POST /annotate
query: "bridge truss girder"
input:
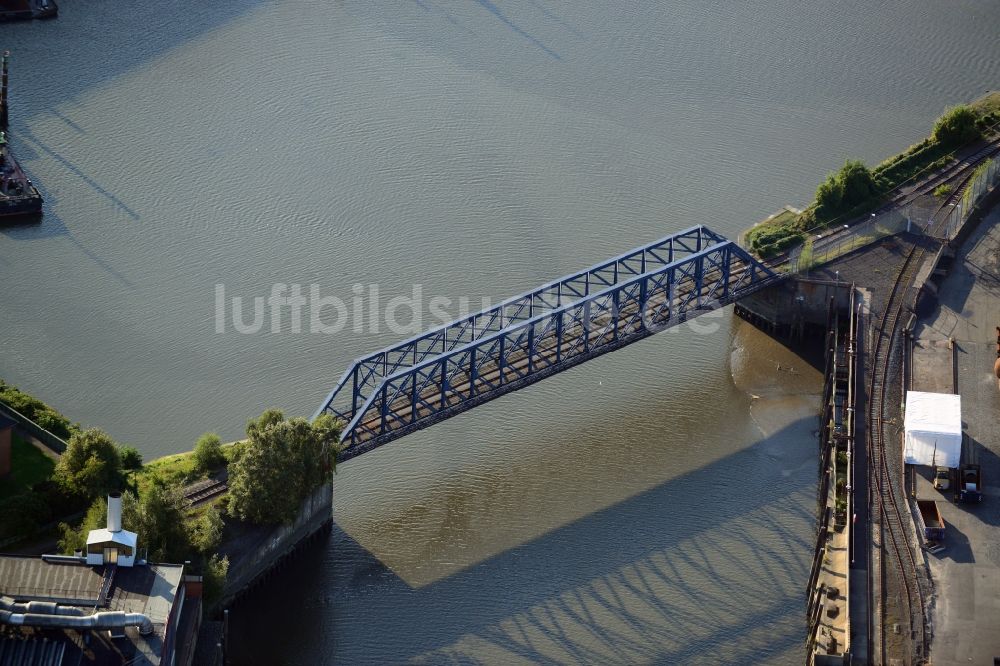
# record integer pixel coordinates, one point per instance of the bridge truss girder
(499, 359)
(366, 374)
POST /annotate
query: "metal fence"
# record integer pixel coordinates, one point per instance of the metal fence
(830, 244)
(984, 179)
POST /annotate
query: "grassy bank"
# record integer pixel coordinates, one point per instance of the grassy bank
(856, 190)
(176, 470)
(42, 414)
(29, 465)
(277, 467)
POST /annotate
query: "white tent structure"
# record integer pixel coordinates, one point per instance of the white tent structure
(933, 426)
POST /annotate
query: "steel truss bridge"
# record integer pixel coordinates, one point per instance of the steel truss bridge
(453, 368)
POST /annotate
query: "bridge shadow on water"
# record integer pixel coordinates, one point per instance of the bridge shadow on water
(691, 570)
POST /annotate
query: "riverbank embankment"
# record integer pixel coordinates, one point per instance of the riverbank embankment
(854, 192)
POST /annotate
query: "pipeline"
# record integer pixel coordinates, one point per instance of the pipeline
(41, 607)
(50, 615)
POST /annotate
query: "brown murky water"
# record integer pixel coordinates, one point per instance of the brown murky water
(655, 505)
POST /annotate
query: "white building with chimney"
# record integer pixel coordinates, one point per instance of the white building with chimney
(112, 545)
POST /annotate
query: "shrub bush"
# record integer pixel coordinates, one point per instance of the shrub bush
(216, 570)
(208, 452)
(842, 191)
(941, 191)
(91, 465)
(830, 193)
(131, 458)
(206, 531)
(23, 514)
(957, 126)
(37, 411)
(281, 464)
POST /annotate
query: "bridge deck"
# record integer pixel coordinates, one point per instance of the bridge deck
(593, 318)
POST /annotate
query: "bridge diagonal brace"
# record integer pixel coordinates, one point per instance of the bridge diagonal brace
(551, 329)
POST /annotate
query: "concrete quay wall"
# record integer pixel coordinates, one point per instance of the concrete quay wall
(253, 558)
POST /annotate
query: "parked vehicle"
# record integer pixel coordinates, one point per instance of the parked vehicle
(942, 478)
(970, 484)
(930, 520)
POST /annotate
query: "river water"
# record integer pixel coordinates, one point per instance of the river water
(654, 505)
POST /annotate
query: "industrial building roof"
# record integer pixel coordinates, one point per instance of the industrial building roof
(148, 589)
(32, 578)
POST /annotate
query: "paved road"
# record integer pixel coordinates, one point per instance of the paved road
(966, 615)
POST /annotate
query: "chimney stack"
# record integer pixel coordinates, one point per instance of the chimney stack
(115, 512)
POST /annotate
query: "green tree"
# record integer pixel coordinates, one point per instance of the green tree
(328, 429)
(206, 531)
(75, 538)
(131, 458)
(214, 580)
(957, 126)
(91, 465)
(23, 514)
(857, 182)
(208, 452)
(282, 462)
(850, 186)
(70, 540)
(235, 451)
(268, 418)
(830, 193)
(159, 521)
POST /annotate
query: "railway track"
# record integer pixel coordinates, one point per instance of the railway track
(204, 490)
(401, 406)
(946, 175)
(547, 351)
(908, 193)
(894, 539)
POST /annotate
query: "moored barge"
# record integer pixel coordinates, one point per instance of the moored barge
(19, 199)
(25, 10)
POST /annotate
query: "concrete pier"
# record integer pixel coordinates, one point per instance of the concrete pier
(837, 631)
(795, 305)
(255, 552)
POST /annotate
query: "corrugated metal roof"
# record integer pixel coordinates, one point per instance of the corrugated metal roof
(31, 577)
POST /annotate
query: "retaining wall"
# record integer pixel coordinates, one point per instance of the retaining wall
(254, 554)
(26, 425)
